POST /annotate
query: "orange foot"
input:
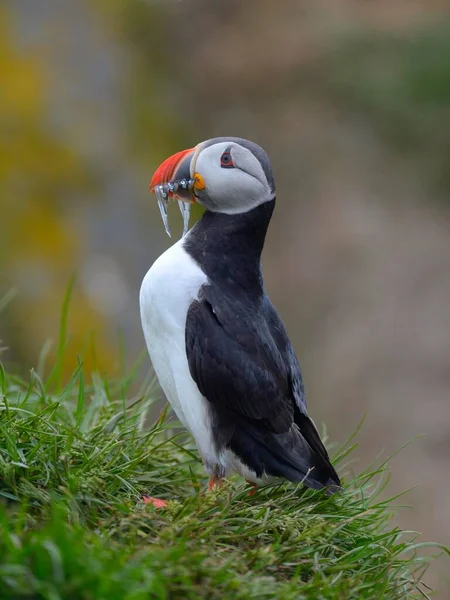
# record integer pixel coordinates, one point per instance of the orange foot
(156, 502)
(254, 486)
(214, 481)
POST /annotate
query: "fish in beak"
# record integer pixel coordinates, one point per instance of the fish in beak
(172, 181)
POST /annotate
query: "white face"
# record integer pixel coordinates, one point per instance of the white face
(234, 180)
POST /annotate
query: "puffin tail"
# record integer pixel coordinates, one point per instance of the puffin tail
(328, 476)
(297, 455)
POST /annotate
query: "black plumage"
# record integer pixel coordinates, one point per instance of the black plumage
(241, 358)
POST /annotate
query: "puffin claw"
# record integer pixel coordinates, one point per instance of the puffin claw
(156, 502)
(214, 481)
(254, 486)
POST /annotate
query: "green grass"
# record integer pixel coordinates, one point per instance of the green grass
(75, 463)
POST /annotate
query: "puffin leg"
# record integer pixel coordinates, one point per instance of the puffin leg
(214, 481)
(254, 486)
(156, 502)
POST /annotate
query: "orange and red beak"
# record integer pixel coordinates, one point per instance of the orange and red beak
(175, 167)
(173, 180)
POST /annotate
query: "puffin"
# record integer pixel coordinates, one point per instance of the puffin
(218, 346)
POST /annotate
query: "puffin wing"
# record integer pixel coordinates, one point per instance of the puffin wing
(245, 366)
(235, 362)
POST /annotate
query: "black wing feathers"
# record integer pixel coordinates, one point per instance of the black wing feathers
(233, 369)
(243, 362)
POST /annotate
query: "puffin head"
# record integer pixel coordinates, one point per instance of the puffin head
(226, 174)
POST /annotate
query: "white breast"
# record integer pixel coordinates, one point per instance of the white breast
(167, 291)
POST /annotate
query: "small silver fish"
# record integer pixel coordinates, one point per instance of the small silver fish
(164, 192)
(185, 209)
(163, 202)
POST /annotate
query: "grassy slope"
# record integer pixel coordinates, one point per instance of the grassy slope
(74, 466)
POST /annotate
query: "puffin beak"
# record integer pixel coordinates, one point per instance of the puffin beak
(173, 169)
(172, 180)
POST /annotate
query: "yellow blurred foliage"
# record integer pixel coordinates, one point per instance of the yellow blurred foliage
(39, 246)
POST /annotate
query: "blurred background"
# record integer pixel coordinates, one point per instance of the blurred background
(351, 100)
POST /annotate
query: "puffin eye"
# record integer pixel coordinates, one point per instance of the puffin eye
(226, 162)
